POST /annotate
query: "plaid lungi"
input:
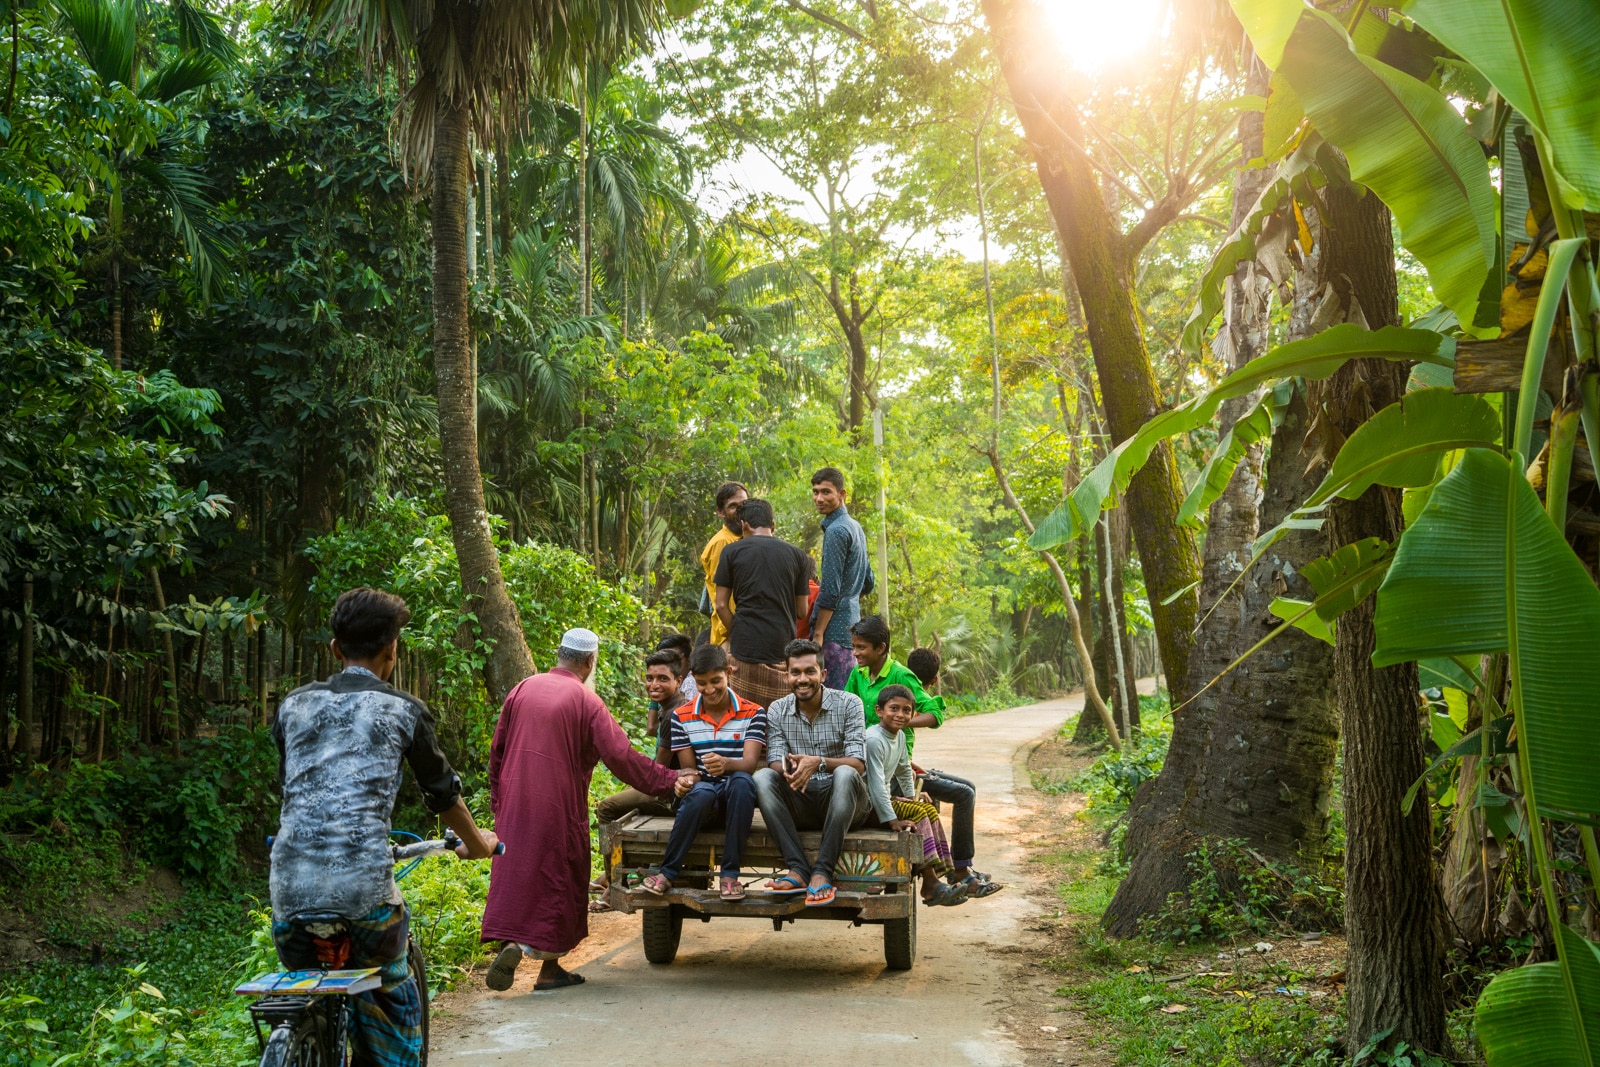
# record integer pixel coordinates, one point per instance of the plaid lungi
(385, 1023)
(935, 849)
(760, 682)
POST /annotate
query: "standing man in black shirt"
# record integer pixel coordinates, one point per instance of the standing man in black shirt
(766, 577)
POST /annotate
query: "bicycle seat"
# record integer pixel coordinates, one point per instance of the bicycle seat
(322, 925)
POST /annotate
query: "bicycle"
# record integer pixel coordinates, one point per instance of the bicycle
(302, 1018)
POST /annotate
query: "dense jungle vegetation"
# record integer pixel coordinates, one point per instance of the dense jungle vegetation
(1255, 341)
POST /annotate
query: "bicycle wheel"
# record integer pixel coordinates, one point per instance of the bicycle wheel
(301, 1043)
(419, 971)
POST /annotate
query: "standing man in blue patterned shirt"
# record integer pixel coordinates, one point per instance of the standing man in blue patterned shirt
(844, 575)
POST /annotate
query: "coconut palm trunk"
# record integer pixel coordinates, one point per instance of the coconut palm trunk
(484, 586)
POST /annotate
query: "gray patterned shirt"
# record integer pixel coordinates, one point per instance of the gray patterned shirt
(340, 745)
(840, 730)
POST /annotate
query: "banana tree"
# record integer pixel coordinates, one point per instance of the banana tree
(1484, 568)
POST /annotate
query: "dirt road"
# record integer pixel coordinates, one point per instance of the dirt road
(739, 992)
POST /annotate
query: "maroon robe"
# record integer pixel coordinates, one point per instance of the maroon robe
(551, 733)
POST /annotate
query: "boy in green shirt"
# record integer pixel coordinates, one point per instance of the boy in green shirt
(875, 669)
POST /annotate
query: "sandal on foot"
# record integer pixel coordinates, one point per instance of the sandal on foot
(785, 885)
(570, 978)
(656, 885)
(731, 889)
(946, 896)
(503, 971)
(820, 895)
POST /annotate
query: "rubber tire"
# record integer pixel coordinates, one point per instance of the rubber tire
(663, 928)
(419, 971)
(900, 939)
(298, 1045)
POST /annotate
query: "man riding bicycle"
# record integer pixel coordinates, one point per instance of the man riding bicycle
(340, 746)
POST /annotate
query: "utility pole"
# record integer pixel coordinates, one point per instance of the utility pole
(883, 519)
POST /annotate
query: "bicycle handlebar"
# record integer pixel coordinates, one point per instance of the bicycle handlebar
(419, 850)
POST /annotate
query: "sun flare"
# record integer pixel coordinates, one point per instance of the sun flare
(1096, 35)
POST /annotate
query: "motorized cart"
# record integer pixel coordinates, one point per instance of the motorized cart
(875, 883)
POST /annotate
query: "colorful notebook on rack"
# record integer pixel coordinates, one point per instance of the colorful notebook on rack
(321, 983)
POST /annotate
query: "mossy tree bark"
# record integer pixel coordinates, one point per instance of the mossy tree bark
(1102, 259)
(1253, 757)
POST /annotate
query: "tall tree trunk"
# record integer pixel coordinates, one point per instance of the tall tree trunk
(1101, 268)
(171, 659)
(23, 745)
(1252, 757)
(482, 583)
(502, 177)
(116, 312)
(488, 215)
(1393, 914)
(586, 303)
(848, 312)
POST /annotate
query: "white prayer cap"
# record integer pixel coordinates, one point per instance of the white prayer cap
(580, 640)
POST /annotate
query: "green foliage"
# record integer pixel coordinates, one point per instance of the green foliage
(1233, 890)
(1212, 1031)
(190, 811)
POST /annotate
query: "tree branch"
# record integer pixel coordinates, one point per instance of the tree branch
(828, 20)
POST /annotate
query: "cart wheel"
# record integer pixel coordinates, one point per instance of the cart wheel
(662, 929)
(900, 939)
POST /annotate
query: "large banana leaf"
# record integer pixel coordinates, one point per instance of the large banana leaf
(1255, 425)
(1269, 24)
(1544, 58)
(1447, 593)
(1525, 1016)
(1406, 143)
(1403, 444)
(1314, 357)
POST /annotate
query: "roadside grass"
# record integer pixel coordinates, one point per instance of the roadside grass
(1176, 1001)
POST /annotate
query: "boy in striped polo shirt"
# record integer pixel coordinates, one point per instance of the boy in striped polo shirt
(723, 737)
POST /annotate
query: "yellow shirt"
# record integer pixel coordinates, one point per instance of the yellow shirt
(709, 557)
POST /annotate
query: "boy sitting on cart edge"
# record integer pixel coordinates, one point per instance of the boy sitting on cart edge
(960, 794)
(340, 746)
(816, 756)
(723, 736)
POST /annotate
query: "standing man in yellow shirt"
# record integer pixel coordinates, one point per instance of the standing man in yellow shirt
(729, 496)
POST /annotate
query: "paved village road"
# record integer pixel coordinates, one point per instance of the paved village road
(816, 992)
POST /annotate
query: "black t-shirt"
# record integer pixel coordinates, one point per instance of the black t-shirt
(766, 575)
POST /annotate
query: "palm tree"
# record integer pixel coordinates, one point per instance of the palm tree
(107, 34)
(474, 63)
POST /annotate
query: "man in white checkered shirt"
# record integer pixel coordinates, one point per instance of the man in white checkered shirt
(816, 756)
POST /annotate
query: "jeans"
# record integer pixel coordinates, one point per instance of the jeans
(834, 806)
(962, 795)
(731, 798)
(838, 661)
(385, 1023)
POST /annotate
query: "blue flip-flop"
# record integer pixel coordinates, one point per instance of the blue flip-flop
(796, 886)
(820, 896)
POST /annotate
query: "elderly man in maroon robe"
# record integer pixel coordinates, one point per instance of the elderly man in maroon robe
(551, 733)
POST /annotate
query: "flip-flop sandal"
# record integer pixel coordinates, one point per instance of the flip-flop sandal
(821, 895)
(656, 885)
(946, 896)
(731, 889)
(979, 890)
(503, 971)
(777, 887)
(597, 906)
(570, 978)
